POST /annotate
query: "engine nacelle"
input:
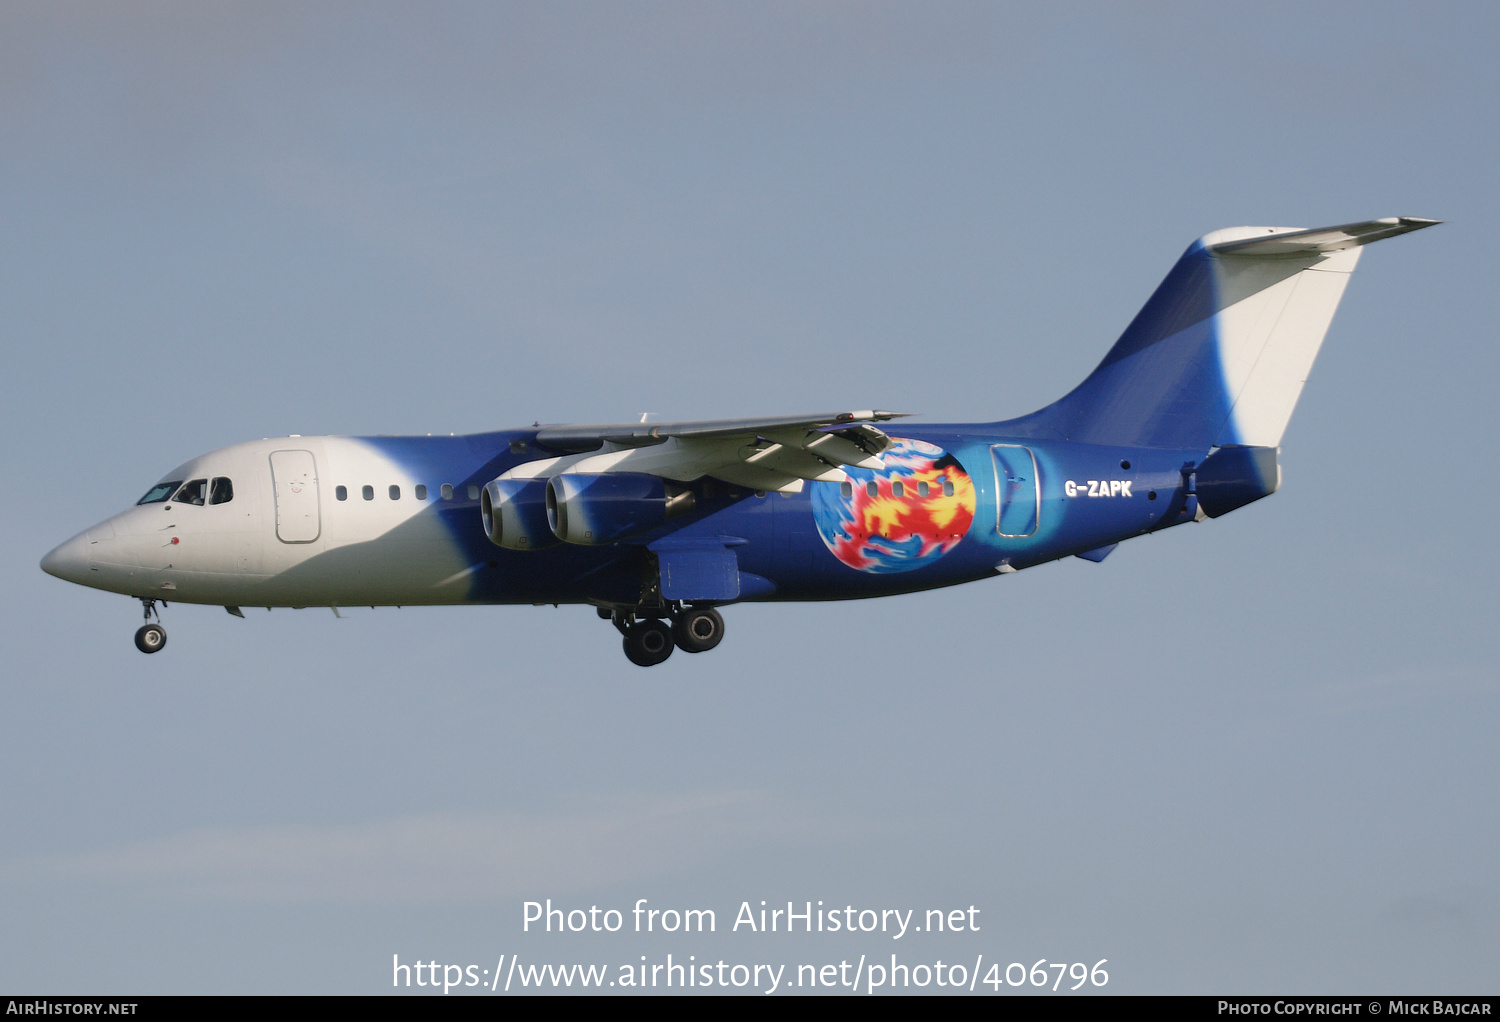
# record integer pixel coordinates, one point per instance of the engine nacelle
(593, 509)
(515, 513)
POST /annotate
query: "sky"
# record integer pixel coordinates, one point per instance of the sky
(1253, 755)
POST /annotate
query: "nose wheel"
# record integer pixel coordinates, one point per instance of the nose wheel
(151, 636)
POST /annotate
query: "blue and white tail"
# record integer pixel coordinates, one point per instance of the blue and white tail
(1219, 354)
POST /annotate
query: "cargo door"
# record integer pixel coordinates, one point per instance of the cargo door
(1019, 498)
(294, 475)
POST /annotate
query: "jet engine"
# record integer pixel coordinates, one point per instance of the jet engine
(515, 513)
(594, 509)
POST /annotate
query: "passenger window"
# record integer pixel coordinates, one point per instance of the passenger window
(341, 492)
(194, 491)
(922, 490)
(421, 492)
(220, 491)
(367, 492)
(846, 489)
(395, 492)
(947, 487)
(872, 488)
(473, 493)
(160, 492)
(447, 491)
(898, 489)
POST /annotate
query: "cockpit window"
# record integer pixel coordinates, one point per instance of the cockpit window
(194, 491)
(160, 492)
(220, 490)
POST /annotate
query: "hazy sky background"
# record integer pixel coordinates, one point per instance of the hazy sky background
(1251, 755)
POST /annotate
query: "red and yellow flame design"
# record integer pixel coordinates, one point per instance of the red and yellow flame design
(891, 531)
(940, 521)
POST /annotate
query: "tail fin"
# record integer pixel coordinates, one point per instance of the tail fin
(1218, 355)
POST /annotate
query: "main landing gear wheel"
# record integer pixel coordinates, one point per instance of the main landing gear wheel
(150, 638)
(648, 643)
(697, 629)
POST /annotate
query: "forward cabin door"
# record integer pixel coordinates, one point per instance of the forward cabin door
(295, 477)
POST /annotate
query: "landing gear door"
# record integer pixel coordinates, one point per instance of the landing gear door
(295, 477)
(1018, 497)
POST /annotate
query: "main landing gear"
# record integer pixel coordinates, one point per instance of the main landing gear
(650, 640)
(150, 637)
(697, 629)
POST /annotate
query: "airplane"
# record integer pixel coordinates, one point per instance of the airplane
(657, 525)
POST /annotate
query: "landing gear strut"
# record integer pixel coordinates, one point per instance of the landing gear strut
(650, 640)
(150, 637)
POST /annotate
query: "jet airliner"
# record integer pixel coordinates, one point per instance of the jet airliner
(657, 525)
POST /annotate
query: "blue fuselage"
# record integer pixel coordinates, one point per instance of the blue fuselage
(348, 521)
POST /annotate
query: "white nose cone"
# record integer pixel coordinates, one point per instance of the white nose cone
(69, 561)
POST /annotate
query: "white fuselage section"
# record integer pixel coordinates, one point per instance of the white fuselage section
(313, 521)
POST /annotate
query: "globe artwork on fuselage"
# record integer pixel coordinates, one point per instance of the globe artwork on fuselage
(900, 517)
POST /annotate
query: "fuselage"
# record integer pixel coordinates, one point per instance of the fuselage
(349, 521)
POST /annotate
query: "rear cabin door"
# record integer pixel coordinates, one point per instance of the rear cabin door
(295, 477)
(1019, 501)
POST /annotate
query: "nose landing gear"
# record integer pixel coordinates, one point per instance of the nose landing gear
(150, 637)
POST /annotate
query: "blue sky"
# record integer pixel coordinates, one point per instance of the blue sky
(1250, 755)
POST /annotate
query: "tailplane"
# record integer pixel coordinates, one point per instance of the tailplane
(1219, 354)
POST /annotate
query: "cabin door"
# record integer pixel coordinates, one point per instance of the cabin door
(295, 477)
(1019, 498)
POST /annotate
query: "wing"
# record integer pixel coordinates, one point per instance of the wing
(758, 454)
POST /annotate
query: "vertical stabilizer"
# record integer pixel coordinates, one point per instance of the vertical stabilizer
(1219, 354)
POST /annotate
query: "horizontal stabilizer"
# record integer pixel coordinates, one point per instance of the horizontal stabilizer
(1323, 239)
